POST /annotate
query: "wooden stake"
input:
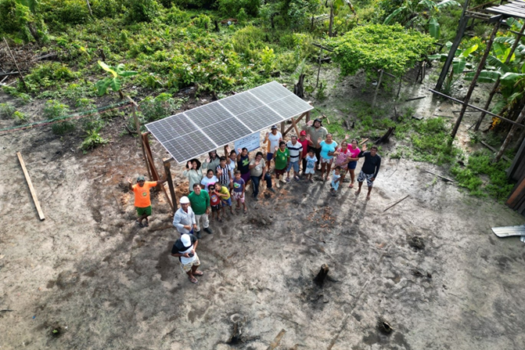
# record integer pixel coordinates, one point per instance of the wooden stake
(31, 188)
(481, 65)
(377, 88)
(16, 65)
(444, 178)
(167, 170)
(294, 124)
(137, 126)
(510, 135)
(277, 340)
(492, 149)
(396, 203)
(517, 191)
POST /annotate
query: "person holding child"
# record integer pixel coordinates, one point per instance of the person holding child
(215, 203)
(224, 195)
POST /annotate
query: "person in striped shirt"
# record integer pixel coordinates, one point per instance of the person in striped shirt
(296, 155)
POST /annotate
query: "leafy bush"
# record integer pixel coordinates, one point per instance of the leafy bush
(248, 41)
(6, 110)
(431, 141)
(142, 10)
(159, 107)
(19, 116)
(377, 46)
(92, 140)
(17, 19)
(65, 11)
(231, 8)
(54, 109)
(48, 75)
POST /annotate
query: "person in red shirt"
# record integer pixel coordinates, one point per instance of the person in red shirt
(305, 142)
(142, 198)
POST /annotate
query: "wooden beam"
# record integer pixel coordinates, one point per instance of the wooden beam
(31, 188)
(510, 135)
(517, 191)
(154, 172)
(292, 126)
(137, 126)
(396, 203)
(492, 149)
(16, 65)
(481, 65)
(167, 170)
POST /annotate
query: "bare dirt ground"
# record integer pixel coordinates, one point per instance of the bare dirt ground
(103, 283)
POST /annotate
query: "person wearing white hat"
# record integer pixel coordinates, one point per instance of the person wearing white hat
(184, 249)
(184, 218)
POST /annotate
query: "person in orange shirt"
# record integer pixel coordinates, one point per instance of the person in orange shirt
(142, 198)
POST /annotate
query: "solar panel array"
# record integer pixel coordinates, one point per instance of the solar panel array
(208, 127)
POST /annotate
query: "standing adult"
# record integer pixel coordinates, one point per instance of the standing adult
(316, 131)
(273, 138)
(243, 164)
(224, 173)
(296, 153)
(305, 143)
(142, 198)
(328, 148)
(258, 172)
(193, 173)
(212, 162)
(369, 170)
(200, 204)
(342, 158)
(209, 179)
(185, 249)
(354, 157)
(231, 159)
(184, 218)
(281, 157)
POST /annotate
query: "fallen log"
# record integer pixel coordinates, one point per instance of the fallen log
(386, 136)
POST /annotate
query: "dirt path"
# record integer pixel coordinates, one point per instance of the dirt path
(110, 285)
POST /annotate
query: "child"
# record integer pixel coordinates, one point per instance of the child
(311, 159)
(224, 173)
(224, 194)
(215, 203)
(336, 176)
(239, 188)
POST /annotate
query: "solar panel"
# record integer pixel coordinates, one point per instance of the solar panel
(227, 131)
(290, 106)
(260, 118)
(208, 127)
(189, 146)
(207, 114)
(171, 127)
(271, 92)
(241, 103)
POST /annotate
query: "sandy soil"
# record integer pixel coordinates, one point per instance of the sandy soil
(88, 270)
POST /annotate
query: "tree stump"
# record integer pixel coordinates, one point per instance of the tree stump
(321, 276)
(298, 88)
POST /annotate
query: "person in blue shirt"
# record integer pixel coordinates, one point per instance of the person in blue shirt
(328, 147)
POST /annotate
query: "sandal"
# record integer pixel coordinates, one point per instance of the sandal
(351, 186)
(193, 280)
(245, 210)
(198, 273)
(146, 224)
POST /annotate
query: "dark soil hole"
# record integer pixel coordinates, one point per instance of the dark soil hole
(416, 243)
(56, 331)
(384, 327)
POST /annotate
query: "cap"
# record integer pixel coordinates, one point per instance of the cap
(274, 127)
(303, 133)
(141, 178)
(186, 240)
(184, 200)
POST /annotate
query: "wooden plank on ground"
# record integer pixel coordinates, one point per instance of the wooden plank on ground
(31, 188)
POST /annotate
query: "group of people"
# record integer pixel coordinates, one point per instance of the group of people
(221, 182)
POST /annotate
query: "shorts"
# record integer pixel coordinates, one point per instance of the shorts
(187, 267)
(309, 171)
(215, 207)
(227, 202)
(246, 177)
(269, 156)
(143, 211)
(279, 172)
(335, 185)
(326, 160)
(295, 166)
(238, 196)
(362, 176)
(352, 165)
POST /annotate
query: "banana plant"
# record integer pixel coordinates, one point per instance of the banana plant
(459, 63)
(423, 11)
(114, 81)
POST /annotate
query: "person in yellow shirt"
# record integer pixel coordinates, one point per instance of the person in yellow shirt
(142, 198)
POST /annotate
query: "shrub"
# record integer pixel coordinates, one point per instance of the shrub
(159, 107)
(65, 11)
(17, 19)
(54, 109)
(19, 116)
(231, 8)
(48, 75)
(6, 110)
(248, 41)
(92, 140)
(142, 10)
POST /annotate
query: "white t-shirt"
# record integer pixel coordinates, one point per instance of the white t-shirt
(189, 260)
(206, 181)
(274, 140)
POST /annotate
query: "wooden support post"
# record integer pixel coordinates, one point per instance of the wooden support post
(496, 84)
(137, 126)
(167, 171)
(517, 191)
(475, 79)
(510, 135)
(31, 188)
(283, 127)
(399, 88)
(459, 35)
(377, 88)
(307, 119)
(154, 172)
(16, 64)
(292, 126)
(319, 69)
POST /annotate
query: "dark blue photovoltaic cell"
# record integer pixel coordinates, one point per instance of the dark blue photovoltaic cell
(197, 131)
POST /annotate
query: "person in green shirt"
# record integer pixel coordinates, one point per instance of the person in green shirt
(200, 204)
(281, 157)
